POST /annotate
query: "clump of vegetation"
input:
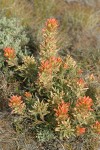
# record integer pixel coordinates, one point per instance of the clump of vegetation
(53, 93)
(12, 35)
(54, 96)
(13, 44)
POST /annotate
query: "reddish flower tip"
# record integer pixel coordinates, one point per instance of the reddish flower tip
(9, 53)
(80, 130)
(51, 24)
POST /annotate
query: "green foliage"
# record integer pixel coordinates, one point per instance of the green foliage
(28, 70)
(65, 130)
(45, 135)
(39, 108)
(12, 34)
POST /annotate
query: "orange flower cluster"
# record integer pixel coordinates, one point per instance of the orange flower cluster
(96, 127)
(62, 110)
(51, 24)
(81, 82)
(56, 60)
(80, 130)
(84, 103)
(49, 65)
(45, 66)
(9, 53)
(28, 95)
(16, 104)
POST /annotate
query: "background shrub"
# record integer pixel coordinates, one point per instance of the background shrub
(12, 34)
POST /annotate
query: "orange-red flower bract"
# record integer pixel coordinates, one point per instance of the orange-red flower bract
(62, 110)
(81, 82)
(9, 53)
(49, 65)
(28, 94)
(51, 24)
(96, 127)
(84, 103)
(80, 130)
(16, 104)
(46, 66)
